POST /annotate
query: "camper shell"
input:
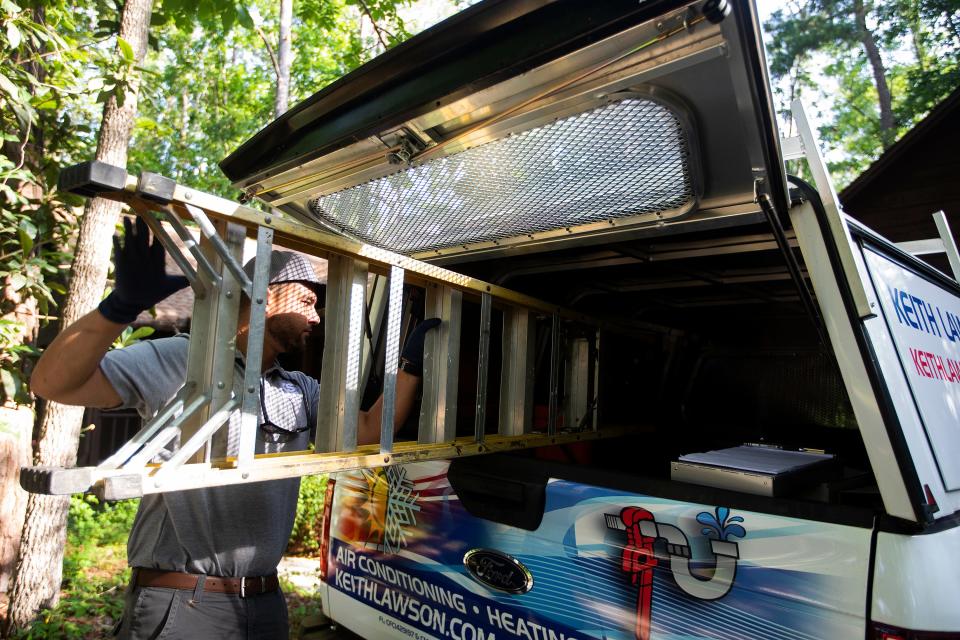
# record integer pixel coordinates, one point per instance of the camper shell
(623, 159)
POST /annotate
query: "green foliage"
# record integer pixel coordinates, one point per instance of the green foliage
(308, 525)
(213, 88)
(131, 336)
(94, 523)
(41, 68)
(14, 355)
(94, 572)
(817, 52)
(302, 605)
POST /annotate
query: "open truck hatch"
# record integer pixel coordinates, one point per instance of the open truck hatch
(519, 127)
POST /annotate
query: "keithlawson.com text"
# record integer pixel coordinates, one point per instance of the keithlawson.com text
(433, 610)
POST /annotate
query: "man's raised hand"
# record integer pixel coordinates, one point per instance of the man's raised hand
(140, 276)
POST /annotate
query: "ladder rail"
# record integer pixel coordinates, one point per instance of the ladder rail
(151, 448)
(191, 245)
(118, 485)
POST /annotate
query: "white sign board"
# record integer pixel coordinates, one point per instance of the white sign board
(924, 321)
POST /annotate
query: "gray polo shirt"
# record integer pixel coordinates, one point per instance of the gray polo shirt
(239, 530)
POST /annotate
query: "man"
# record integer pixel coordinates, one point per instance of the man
(205, 560)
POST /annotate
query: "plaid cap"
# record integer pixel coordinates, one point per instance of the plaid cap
(286, 266)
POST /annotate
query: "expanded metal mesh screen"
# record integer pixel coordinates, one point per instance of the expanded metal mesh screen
(622, 159)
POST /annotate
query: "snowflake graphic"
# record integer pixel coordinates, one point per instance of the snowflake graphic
(401, 509)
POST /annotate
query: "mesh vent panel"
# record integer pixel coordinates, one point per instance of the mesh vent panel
(623, 159)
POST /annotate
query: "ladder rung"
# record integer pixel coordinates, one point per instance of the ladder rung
(250, 405)
(483, 364)
(391, 359)
(342, 349)
(517, 376)
(441, 366)
(554, 373)
(204, 265)
(229, 257)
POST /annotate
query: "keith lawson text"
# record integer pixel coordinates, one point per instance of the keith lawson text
(932, 365)
(440, 611)
(917, 313)
(921, 315)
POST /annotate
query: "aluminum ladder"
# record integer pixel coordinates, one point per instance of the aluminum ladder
(206, 401)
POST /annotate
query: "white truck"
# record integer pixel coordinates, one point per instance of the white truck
(710, 404)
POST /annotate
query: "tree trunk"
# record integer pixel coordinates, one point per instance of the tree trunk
(284, 59)
(16, 427)
(16, 422)
(888, 126)
(40, 565)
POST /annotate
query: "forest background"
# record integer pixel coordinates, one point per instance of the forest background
(173, 86)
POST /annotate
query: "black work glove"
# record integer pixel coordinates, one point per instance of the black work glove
(412, 356)
(139, 273)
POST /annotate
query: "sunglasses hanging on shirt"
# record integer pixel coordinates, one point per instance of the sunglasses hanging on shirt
(272, 432)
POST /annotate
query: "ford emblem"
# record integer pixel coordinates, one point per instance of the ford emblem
(498, 571)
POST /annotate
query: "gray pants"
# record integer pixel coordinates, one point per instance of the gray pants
(152, 613)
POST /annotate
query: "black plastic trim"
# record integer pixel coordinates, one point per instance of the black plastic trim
(904, 259)
(871, 572)
(500, 489)
(751, 41)
(90, 179)
(889, 524)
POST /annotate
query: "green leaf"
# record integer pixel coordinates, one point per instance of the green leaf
(29, 228)
(26, 242)
(141, 332)
(24, 112)
(205, 10)
(18, 281)
(244, 17)
(9, 383)
(47, 104)
(8, 87)
(228, 18)
(13, 35)
(126, 49)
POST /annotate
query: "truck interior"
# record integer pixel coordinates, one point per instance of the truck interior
(624, 164)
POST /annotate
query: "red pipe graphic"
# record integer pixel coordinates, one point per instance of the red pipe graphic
(639, 560)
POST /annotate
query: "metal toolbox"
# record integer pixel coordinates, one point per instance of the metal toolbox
(757, 469)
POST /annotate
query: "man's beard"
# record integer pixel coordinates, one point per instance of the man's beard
(290, 335)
